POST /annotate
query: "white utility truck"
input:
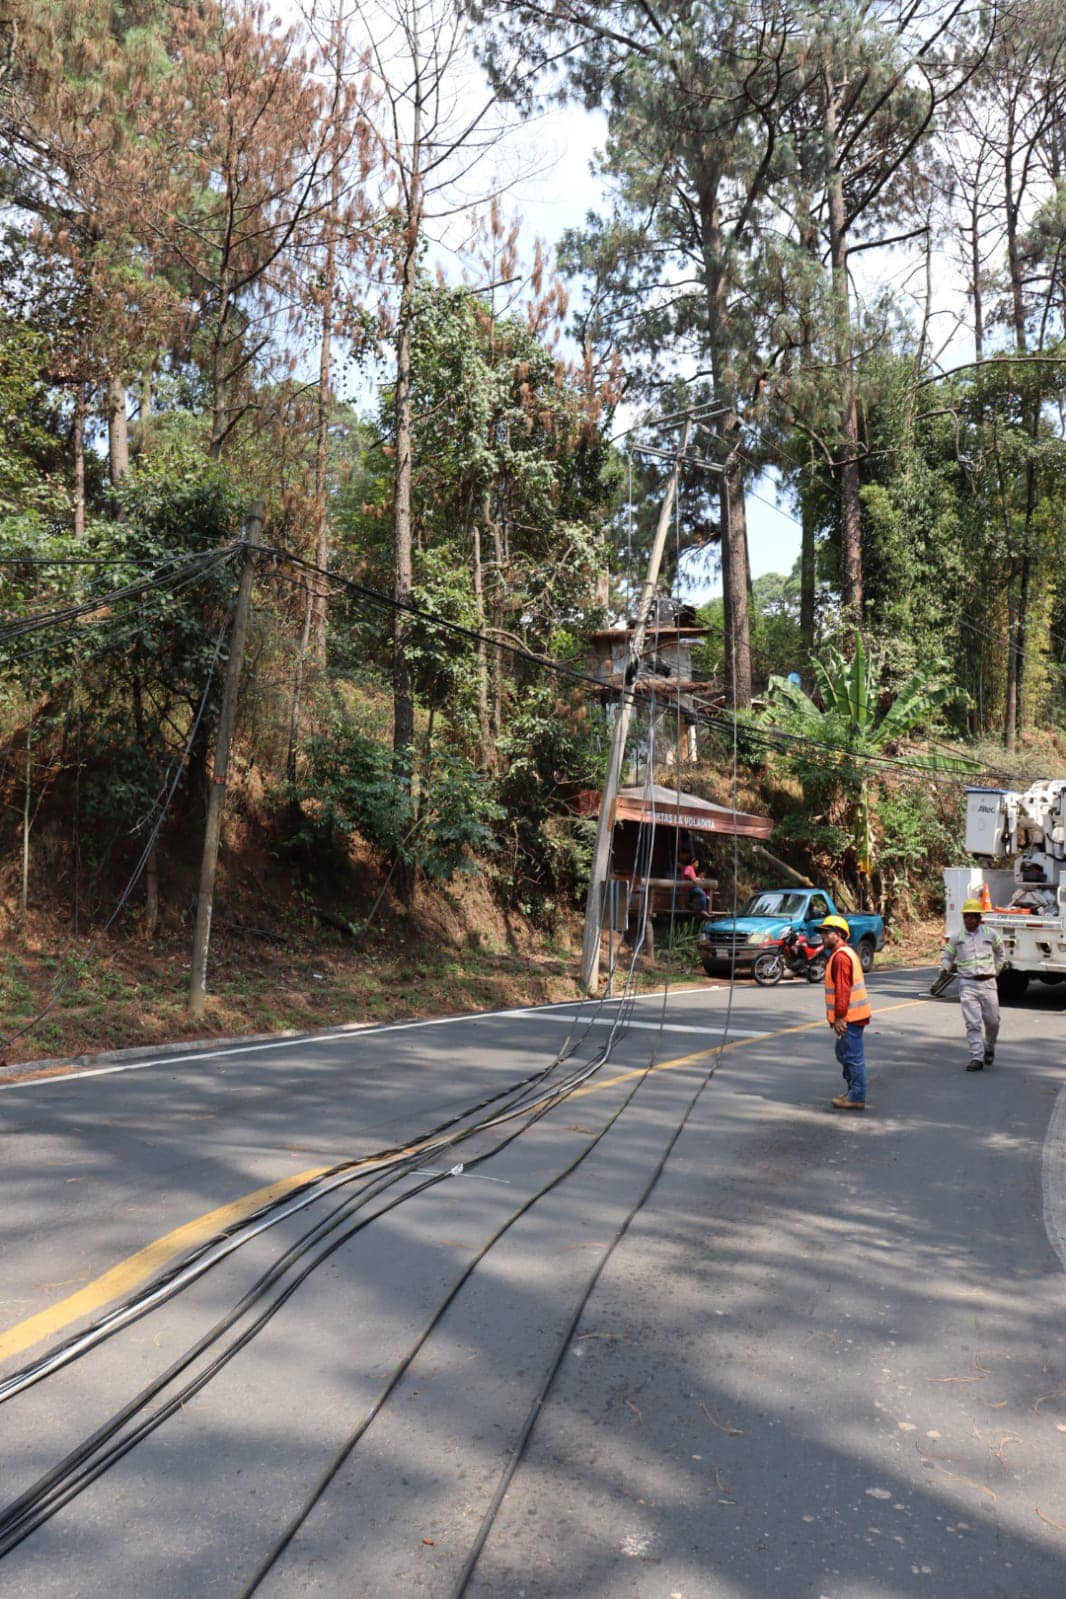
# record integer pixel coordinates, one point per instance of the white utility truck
(1020, 842)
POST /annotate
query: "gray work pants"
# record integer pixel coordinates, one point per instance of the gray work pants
(980, 1014)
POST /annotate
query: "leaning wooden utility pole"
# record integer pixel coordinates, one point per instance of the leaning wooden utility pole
(216, 798)
(601, 854)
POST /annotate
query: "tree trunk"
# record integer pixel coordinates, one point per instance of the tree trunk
(24, 897)
(848, 455)
(976, 293)
(298, 681)
(484, 727)
(1022, 635)
(118, 437)
(500, 568)
(151, 894)
(78, 441)
(144, 412)
(1010, 710)
(735, 584)
(218, 375)
(321, 592)
(403, 564)
(732, 517)
(1019, 604)
(808, 577)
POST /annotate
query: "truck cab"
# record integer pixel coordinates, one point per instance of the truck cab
(769, 914)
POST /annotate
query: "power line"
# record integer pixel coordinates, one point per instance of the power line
(63, 615)
(765, 733)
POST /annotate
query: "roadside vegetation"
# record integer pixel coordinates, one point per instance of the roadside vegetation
(231, 275)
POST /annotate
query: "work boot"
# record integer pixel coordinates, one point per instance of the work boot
(842, 1102)
(977, 1065)
(990, 1055)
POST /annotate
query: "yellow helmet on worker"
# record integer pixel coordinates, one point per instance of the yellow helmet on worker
(972, 907)
(839, 923)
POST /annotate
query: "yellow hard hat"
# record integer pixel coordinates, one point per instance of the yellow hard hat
(839, 923)
(972, 907)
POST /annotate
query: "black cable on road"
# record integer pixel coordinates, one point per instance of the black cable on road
(535, 1408)
(488, 1521)
(400, 1371)
(108, 1444)
(215, 1249)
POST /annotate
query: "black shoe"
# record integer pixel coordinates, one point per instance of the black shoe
(990, 1056)
(976, 1066)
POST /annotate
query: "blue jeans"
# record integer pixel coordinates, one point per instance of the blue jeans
(851, 1055)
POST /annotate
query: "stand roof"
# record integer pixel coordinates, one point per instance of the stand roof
(665, 807)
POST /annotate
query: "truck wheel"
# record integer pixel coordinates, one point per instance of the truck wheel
(1012, 985)
(709, 966)
(865, 953)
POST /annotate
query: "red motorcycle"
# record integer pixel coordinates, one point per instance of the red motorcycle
(796, 953)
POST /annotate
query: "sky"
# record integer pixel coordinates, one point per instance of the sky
(564, 143)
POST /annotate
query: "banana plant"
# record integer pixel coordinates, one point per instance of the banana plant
(848, 730)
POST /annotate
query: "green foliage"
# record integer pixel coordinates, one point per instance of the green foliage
(33, 493)
(113, 694)
(776, 641)
(507, 459)
(120, 779)
(456, 817)
(834, 739)
(917, 836)
(551, 750)
(349, 786)
(444, 664)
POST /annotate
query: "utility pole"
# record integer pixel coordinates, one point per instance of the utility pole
(601, 854)
(216, 799)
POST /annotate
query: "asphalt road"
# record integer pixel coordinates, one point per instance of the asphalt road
(823, 1360)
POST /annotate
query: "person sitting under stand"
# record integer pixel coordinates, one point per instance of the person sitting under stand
(697, 895)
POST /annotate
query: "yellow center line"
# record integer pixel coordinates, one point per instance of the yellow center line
(717, 1049)
(130, 1274)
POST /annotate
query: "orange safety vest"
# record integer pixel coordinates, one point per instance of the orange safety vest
(859, 1004)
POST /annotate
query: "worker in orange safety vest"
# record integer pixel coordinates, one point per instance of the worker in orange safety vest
(847, 1010)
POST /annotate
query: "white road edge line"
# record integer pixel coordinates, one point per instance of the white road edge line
(357, 1030)
(1053, 1178)
(651, 1027)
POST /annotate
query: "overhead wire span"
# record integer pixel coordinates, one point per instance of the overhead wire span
(64, 614)
(59, 1485)
(760, 733)
(29, 646)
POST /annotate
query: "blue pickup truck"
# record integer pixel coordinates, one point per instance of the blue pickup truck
(767, 917)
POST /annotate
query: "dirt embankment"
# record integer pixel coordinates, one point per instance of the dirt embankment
(296, 945)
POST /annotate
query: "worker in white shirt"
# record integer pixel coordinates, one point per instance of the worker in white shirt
(977, 955)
